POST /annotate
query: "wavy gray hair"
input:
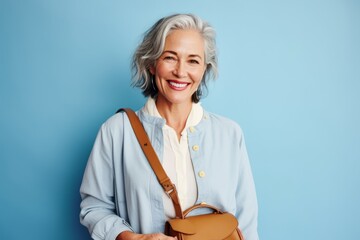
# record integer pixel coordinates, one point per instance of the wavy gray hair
(152, 46)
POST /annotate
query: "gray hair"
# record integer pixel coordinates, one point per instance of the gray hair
(152, 46)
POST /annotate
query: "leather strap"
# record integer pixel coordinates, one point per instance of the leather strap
(144, 141)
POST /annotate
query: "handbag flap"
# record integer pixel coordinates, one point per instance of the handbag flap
(182, 225)
(214, 226)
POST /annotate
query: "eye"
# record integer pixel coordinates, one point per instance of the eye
(169, 58)
(194, 61)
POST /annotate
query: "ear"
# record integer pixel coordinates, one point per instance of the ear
(152, 70)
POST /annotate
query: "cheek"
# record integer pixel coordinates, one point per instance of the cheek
(162, 70)
(198, 75)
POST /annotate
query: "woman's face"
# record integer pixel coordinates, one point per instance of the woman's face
(180, 68)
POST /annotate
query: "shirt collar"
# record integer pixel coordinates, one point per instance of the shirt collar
(193, 119)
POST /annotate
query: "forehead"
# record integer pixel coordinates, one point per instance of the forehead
(185, 41)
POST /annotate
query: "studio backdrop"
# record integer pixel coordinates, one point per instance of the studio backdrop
(289, 74)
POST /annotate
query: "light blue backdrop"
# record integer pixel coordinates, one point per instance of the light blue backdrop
(289, 74)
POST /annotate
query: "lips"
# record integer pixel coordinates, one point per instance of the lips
(176, 85)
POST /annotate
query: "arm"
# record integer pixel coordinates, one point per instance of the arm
(98, 211)
(98, 206)
(247, 208)
(126, 235)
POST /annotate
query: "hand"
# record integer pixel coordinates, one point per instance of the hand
(127, 235)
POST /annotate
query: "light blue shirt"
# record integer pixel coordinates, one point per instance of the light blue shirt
(120, 191)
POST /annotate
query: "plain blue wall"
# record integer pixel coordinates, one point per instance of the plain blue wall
(289, 74)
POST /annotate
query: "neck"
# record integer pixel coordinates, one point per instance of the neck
(174, 114)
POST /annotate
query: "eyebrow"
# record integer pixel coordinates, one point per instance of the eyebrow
(175, 53)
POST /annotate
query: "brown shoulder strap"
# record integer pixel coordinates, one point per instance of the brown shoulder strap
(154, 161)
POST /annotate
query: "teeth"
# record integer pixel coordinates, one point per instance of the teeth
(178, 85)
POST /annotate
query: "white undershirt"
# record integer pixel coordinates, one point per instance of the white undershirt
(176, 159)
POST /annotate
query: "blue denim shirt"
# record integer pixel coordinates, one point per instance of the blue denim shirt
(120, 191)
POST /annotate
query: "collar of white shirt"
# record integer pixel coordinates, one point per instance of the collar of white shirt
(193, 119)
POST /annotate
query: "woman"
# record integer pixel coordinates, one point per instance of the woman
(204, 154)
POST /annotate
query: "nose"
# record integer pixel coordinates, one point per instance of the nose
(180, 70)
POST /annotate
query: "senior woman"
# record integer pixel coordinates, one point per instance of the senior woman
(203, 153)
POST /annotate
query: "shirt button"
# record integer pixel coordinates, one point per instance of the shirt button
(202, 174)
(196, 147)
(192, 129)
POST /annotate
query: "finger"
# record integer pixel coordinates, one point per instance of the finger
(161, 236)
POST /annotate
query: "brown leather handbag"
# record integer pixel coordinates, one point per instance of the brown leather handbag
(213, 226)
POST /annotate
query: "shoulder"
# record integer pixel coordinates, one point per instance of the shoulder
(114, 121)
(222, 122)
(113, 124)
(222, 127)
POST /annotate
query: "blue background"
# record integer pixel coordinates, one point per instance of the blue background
(289, 75)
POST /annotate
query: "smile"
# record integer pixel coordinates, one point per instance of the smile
(178, 85)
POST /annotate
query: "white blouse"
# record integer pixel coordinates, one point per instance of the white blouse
(177, 162)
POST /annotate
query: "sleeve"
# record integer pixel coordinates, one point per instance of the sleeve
(246, 200)
(98, 211)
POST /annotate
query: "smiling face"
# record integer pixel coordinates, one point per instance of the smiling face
(180, 68)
